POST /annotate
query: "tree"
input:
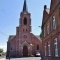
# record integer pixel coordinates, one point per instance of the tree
(1, 50)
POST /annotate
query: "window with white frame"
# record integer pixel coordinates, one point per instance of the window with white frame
(45, 50)
(54, 22)
(49, 54)
(48, 28)
(44, 32)
(56, 47)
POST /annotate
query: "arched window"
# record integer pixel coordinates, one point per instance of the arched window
(37, 47)
(26, 30)
(44, 32)
(56, 47)
(54, 22)
(45, 49)
(49, 54)
(25, 21)
(48, 28)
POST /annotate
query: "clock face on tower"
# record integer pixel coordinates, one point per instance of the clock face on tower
(25, 36)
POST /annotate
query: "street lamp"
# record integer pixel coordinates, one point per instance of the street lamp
(31, 49)
(42, 44)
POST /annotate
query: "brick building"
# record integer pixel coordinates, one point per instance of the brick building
(51, 31)
(24, 43)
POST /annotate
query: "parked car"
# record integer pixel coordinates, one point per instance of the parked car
(37, 54)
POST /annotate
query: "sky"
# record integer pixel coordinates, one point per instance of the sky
(10, 13)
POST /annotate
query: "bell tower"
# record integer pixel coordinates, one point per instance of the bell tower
(25, 22)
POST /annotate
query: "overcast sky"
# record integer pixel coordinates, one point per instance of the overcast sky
(10, 14)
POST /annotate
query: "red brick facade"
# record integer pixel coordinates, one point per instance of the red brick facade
(24, 43)
(51, 31)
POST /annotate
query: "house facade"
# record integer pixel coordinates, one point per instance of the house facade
(24, 43)
(51, 31)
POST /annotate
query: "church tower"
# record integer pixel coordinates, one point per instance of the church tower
(24, 30)
(25, 23)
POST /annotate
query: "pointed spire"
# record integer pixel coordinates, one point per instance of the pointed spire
(25, 6)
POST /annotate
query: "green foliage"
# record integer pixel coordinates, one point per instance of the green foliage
(1, 50)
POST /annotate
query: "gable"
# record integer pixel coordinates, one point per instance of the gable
(45, 15)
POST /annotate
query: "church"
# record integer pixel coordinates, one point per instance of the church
(24, 43)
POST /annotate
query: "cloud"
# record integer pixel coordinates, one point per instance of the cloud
(4, 48)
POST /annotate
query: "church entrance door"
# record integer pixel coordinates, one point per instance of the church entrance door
(25, 51)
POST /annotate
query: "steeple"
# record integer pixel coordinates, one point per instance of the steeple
(25, 6)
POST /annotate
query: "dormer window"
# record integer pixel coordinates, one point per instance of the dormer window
(54, 22)
(25, 21)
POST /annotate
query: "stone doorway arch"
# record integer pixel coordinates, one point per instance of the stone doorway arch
(25, 51)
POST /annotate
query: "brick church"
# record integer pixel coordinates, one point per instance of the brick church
(51, 31)
(24, 43)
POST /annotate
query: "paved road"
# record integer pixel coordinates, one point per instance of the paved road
(29, 58)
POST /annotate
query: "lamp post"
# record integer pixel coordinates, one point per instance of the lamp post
(31, 49)
(42, 43)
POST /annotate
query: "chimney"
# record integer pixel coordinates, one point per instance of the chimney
(45, 7)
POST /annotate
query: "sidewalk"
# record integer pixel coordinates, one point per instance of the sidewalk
(25, 58)
(2, 57)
